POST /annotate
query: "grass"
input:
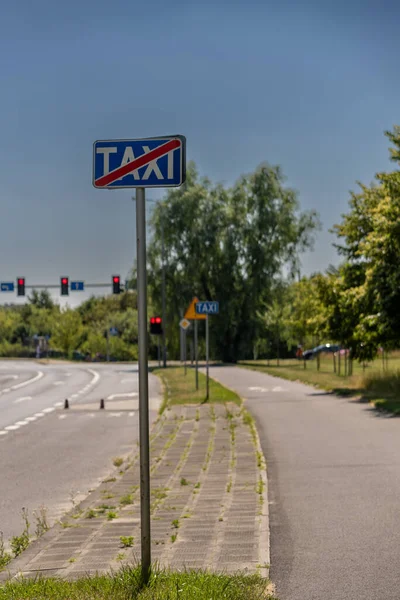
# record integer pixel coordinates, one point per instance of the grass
(371, 381)
(181, 388)
(127, 583)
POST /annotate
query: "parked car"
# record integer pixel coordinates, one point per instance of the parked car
(310, 354)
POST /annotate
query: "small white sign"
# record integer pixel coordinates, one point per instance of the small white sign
(184, 324)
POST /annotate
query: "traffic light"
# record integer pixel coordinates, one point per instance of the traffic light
(21, 286)
(116, 282)
(156, 326)
(64, 286)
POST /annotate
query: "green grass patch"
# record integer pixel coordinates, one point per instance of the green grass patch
(181, 388)
(127, 583)
(375, 382)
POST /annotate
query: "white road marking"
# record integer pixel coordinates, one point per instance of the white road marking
(74, 396)
(62, 416)
(6, 390)
(23, 399)
(11, 427)
(114, 414)
(39, 414)
(20, 423)
(278, 389)
(48, 410)
(3, 432)
(129, 380)
(258, 389)
(96, 377)
(58, 382)
(57, 404)
(126, 395)
(131, 414)
(24, 383)
(31, 419)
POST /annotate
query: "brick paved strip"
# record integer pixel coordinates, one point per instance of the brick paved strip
(208, 496)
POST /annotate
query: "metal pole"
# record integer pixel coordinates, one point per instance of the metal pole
(143, 384)
(207, 358)
(108, 344)
(163, 290)
(184, 348)
(158, 351)
(196, 354)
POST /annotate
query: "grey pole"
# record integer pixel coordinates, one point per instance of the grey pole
(196, 354)
(143, 384)
(108, 344)
(164, 349)
(207, 358)
(184, 348)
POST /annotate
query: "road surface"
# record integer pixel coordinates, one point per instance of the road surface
(53, 457)
(334, 489)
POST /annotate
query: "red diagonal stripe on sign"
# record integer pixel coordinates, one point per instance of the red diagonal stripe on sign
(142, 161)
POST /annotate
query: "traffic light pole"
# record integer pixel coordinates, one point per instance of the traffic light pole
(143, 385)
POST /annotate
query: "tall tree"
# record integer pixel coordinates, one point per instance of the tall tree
(230, 245)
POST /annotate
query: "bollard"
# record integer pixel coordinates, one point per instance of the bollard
(102, 403)
(66, 403)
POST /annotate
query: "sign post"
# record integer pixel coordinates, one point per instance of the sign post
(207, 308)
(151, 162)
(143, 383)
(193, 315)
(184, 325)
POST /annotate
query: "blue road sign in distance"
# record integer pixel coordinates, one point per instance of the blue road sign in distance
(113, 331)
(7, 286)
(207, 307)
(77, 286)
(150, 162)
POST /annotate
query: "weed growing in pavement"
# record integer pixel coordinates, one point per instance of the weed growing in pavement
(72, 560)
(197, 415)
(110, 480)
(127, 499)
(5, 556)
(42, 524)
(173, 537)
(120, 556)
(175, 523)
(117, 462)
(198, 484)
(19, 543)
(91, 514)
(229, 486)
(126, 540)
(111, 515)
(184, 481)
(106, 494)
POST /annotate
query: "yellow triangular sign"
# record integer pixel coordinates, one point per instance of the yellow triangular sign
(191, 311)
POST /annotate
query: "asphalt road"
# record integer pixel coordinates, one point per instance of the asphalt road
(334, 489)
(50, 456)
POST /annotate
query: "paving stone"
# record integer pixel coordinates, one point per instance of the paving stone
(202, 540)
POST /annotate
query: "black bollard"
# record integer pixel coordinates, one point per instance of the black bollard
(66, 403)
(102, 403)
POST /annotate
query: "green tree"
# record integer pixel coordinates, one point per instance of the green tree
(68, 332)
(230, 245)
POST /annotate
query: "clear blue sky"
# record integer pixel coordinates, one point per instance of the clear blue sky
(308, 85)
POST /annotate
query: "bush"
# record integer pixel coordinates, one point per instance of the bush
(383, 383)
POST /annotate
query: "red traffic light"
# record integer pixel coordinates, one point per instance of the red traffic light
(64, 281)
(158, 320)
(116, 279)
(21, 281)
